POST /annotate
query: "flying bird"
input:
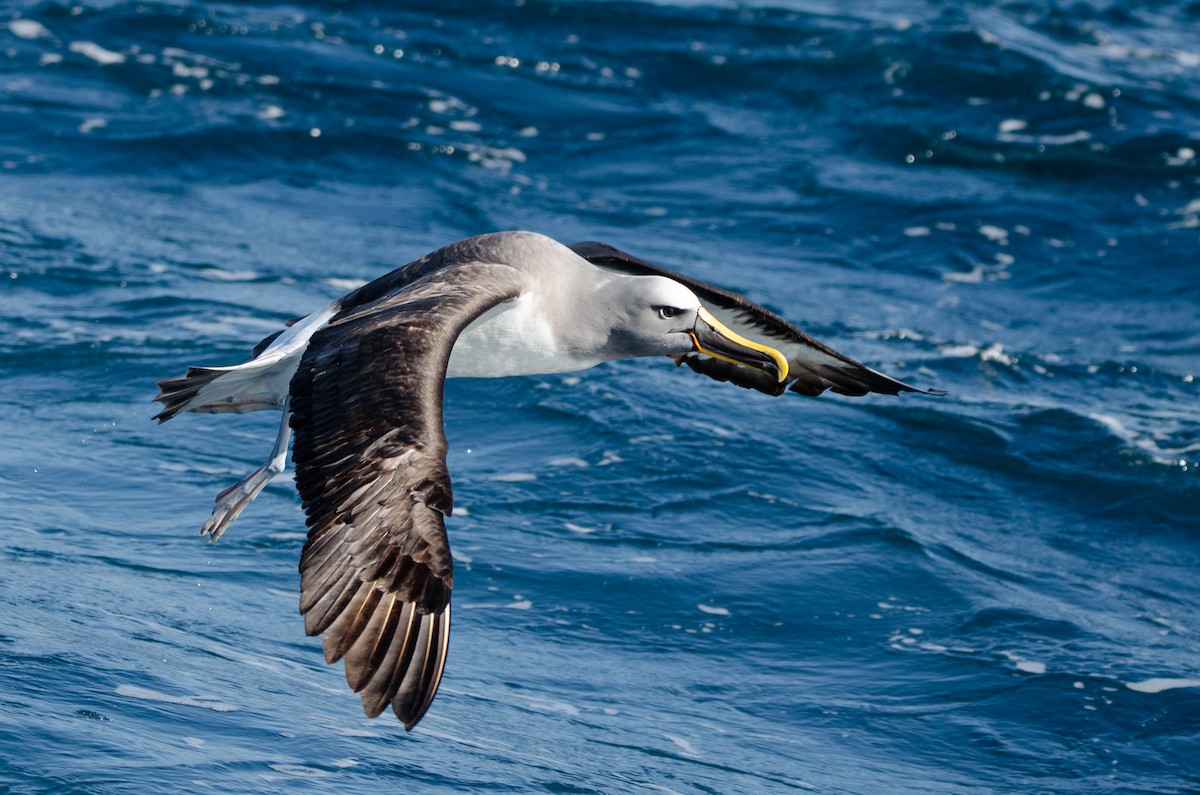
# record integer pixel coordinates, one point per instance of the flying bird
(360, 383)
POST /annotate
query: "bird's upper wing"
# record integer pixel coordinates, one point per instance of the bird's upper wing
(813, 366)
(397, 280)
(370, 456)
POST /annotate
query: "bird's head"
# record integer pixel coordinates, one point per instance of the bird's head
(654, 315)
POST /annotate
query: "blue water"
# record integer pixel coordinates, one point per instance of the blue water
(664, 584)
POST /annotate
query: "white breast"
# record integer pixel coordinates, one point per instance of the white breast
(513, 338)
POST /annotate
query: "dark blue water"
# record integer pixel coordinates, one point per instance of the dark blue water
(665, 584)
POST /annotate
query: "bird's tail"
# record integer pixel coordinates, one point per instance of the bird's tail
(179, 391)
(239, 389)
(261, 383)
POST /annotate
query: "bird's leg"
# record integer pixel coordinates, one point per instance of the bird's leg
(233, 500)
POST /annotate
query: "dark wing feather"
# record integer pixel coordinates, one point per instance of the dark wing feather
(814, 366)
(370, 454)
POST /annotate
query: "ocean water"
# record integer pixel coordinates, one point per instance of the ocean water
(664, 584)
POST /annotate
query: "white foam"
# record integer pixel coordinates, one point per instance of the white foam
(995, 353)
(498, 158)
(222, 275)
(1148, 441)
(1158, 685)
(90, 49)
(973, 276)
(146, 694)
(517, 604)
(713, 611)
(569, 462)
(684, 745)
(1009, 133)
(994, 233)
(719, 430)
(514, 477)
(1182, 156)
(451, 105)
(1062, 140)
(960, 351)
(1023, 665)
(27, 29)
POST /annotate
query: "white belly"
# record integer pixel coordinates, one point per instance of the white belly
(511, 339)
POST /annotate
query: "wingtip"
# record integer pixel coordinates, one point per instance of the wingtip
(408, 719)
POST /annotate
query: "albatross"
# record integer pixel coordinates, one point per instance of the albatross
(360, 383)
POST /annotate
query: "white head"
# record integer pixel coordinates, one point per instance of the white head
(646, 316)
(599, 315)
(654, 315)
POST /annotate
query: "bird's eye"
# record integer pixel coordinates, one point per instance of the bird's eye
(666, 312)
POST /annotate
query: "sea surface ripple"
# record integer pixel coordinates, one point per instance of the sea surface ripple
(664, 584)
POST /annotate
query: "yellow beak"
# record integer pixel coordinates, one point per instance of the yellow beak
(713, 338)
